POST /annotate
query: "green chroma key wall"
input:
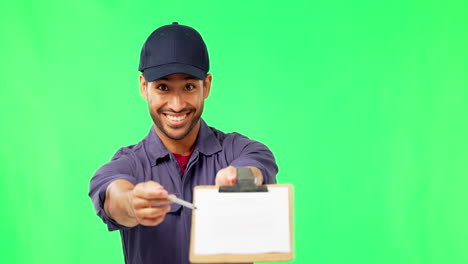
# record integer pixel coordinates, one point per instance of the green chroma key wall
(364, 104)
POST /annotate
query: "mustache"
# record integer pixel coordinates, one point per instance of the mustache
(165, 110)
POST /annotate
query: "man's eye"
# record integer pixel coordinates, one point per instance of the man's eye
(162, 87)
(189, 87)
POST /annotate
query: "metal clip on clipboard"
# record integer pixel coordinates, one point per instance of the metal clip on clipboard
(245, 183)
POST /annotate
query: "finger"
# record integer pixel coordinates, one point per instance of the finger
(258, 175)
(152, 221)
(221, 179)
(150, 190)
(138, 203)
(159, 202)
(226, 176)
(231, 175)
(152, 212)
(144, 203)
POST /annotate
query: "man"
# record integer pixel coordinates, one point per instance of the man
(180, 152)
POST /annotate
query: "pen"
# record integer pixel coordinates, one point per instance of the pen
(181, 202)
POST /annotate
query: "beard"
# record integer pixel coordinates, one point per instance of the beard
(160, 125)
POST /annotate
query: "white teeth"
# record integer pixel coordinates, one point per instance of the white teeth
(176, 118)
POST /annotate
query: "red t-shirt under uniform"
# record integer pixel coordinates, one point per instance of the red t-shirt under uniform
(182, 160)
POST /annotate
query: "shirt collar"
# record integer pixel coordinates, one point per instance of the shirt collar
(206, 143)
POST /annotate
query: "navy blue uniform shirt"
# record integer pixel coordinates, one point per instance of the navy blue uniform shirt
(149, 160)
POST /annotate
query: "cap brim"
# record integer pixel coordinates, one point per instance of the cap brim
(155, 73)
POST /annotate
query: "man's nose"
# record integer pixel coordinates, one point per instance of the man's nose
(176, 103)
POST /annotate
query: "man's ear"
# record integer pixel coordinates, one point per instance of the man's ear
(207, 85)
(143, 87)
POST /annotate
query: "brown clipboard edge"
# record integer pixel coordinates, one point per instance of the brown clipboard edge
(232, 258)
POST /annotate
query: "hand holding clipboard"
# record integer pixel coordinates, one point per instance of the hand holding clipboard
(258, 221)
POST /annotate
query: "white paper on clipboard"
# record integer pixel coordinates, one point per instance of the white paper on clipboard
(241, 223)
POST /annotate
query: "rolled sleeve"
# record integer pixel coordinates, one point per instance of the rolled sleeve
(119, 168)
(252, 153)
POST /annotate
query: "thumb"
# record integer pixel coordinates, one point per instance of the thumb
(226, 176)
(232, 177)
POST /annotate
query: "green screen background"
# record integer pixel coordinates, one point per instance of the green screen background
(363, 103)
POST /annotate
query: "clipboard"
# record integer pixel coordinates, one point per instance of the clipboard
(208, 237)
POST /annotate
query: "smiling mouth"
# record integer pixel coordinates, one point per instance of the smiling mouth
(176, 118)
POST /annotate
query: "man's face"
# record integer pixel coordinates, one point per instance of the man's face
(176, 103)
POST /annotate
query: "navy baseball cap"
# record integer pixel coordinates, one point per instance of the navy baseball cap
(174, 49)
